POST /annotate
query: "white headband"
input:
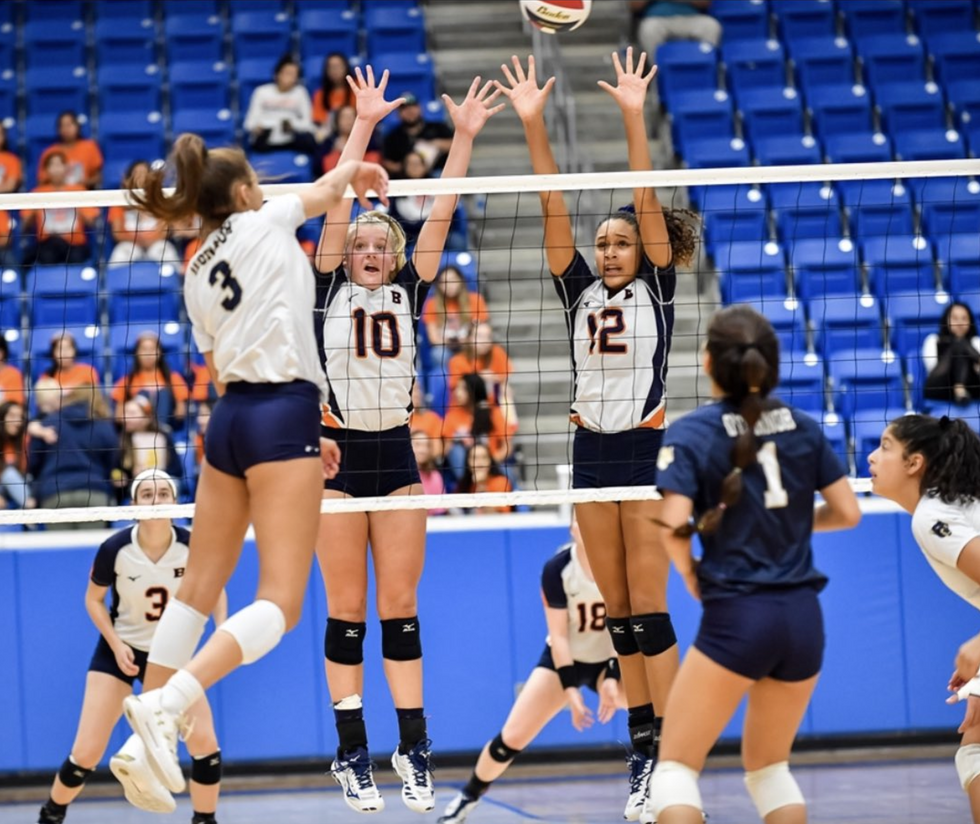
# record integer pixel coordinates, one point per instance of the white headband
(153, 474)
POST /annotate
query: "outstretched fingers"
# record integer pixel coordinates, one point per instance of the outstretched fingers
(519, 69)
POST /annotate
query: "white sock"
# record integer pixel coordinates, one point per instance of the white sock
(351, 702)
(181, 692)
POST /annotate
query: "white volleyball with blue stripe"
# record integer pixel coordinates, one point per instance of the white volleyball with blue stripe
(553, 16)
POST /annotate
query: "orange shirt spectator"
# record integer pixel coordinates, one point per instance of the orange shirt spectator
(426, 421)
(78, 374)
(334, 91)
(150, 376)
(11, 169)
(8, 253)
(481, 356)
(65, 370)
(11, 378)
(450, 311)
(343, 122)
(138, 234)
(203, 387)
(83, 156)
(458, 426)
(60, 231)
(131, 385)
(483, 475)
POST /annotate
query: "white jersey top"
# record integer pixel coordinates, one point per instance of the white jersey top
(566, 586)
(942, 530)
(140, 588)
(368, 348)
(249, 293)
(620, 342)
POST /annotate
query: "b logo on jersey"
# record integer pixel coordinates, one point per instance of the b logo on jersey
(665, 457)
(178, 572)
(941, 530)
(627, 294)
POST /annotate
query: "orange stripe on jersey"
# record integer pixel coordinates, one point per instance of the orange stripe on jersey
(656, 420)
(329, 420)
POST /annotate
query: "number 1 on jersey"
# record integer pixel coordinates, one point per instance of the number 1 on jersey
(776, 496)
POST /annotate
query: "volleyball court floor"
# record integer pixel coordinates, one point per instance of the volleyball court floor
(913, 786)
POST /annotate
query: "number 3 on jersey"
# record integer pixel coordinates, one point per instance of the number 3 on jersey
(228, 283)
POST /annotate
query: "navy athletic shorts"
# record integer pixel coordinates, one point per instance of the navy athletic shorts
(373, 464)
(256, 423)
(586, 675)
(104, 661)
(771, 633)
(615, 458)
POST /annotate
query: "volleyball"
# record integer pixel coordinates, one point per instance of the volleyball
(553, 16)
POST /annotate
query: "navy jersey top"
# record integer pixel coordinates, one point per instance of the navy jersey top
(620, 342)
(764, 539)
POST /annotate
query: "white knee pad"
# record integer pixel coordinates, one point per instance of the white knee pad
(968, 764)
(773, 787)
(257, 629)
(673, 785)
(177, 636)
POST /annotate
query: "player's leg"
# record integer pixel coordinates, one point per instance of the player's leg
(702, 700)
(101, 709)
(541, 699)
(775, 712)
(968, 769)
(202, 745)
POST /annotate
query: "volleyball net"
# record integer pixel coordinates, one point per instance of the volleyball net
(859, 267)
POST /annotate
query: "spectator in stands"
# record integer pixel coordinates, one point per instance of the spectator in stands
(952, 357)
(480, 355)
(449, 312)
(47, 399)
(150, 376)
(342, 122)
(13, 447)
(429, 138)
(139, 235)
(663, 20)
(472, 419)
(280, 114)
(426, 421)
(482, 474)
(11, 170)
(334, 92)
(412, 211)
(144, 444)
(83, 157)
(11, 378)
(76, 469)
(432, 481)
(64, 369)
(203, 390)
(59, 230)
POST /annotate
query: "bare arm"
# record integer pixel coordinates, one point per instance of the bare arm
(630, 93)
(372, 108)
(561, 654)
(840, 509)
(468, 119)
(529, 102)
(219, 387)
(329, 190)
(96, 609)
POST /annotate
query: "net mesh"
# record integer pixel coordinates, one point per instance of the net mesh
(855, 265)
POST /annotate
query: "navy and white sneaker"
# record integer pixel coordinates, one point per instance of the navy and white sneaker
(355, 774)
(458, 809)
(640, 771)
(415, 770)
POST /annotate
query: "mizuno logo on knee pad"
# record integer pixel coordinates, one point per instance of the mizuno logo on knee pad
(353, 633)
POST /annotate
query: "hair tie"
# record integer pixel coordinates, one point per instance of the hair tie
(944, 423)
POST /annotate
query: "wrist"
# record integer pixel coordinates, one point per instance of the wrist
(566, 675)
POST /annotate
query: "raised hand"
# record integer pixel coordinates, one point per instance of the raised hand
(470, 116)
(523, 92)
(367, 177)
(370, 97)
(630, 91)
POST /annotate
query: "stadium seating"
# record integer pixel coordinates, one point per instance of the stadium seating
(900, 263)
(867, 379)
(823, 61)
(754, 63)
(892, 59)
(54, 43)
(840, 109)
(323, 31)
(135, 89)
(410, 72)
(252, 73)
(825, 266)
(89, 346)
(787, 150)
(956, 55)
(716, 152)
(801, 381)
(193, 37)
(699, 112)
(844, 322)
(964, 99)
(877, 207)
(129, 10)
(132, 136)
(125, 42)
(948, 205)
(930, 144)
(867, 18)
(933, 17)
(199, 85)
(910, 107)
(911, 318)
(959, 255)
(866, 428)
(788, 319)
(742, 19)
(8, 94)
(63, 295)
(142, 292)
(805, 18)
(51, 90)
(858, 147)
(216, 127)
(805, 210)
(766, 113)
(683, 65)
(395, 28)
(260, 34)
(750, 270)
(732, 213)
(283, 167)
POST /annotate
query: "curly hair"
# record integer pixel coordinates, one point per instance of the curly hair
(683, 231)
(951, 451)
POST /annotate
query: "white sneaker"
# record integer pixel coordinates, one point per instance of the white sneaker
(159, 730)
(355, 774)
(458, 809)
(143, 789)
(415, 771)
(640, 770)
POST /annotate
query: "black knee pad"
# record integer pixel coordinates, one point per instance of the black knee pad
(206, 770)
(401, 639)
(500, 752)
(71, 775)
(654, 633)
(621, 633)
(343, 642)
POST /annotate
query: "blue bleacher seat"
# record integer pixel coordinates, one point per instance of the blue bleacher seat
(132, 135)
(39, 132)
(867, 378)
(840, 110)
(959, 254)
(823, 61)
(131, 9)
(892, 58)
(824, 266)
(956, 55)
(973, 137)
(199, 85)
(173, 341)
(788, 319)
(698, 112)
(754, 63)
(716, 152)
(251, 74)
(11, 299)
(8, 46)
(805, 210)
(63, 295)
(845, 322)
(805, 18)
(912, 317)
(938, 16)
(910, 107)
(731, 213)
(394, 29)
(136, 88)
(192, 37)
(683, 65)
(54, 43)
(284, 167)
(866, 18)
(89, 345)
(791, 150)
(215, 126)
(858, 147)
(256, 35)
(750, 270)
(323, 31)
(51, 90)
(929, 144)
(877, 207)
(54, 10)
(742, 19)
(768, 112)
(948, 205)
(142, 291)
(247, 6)
(8, 94)
(125, 41)
(964, 98)
(801, 381)
(410, 72)
(200, 8)
(899, 263)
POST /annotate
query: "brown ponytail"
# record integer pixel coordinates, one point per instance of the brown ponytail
(204, 183)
